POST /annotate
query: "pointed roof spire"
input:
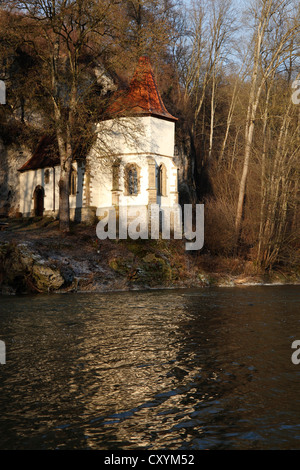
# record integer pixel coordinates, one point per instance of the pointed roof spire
(142, 97)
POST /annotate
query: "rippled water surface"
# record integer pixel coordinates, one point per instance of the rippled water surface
(185, 369)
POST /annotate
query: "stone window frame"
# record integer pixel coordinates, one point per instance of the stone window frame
(129, 167)
(162, 180)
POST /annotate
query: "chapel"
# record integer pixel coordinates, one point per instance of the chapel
(130, 163)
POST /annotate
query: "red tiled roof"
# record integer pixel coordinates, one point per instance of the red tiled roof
(142, 97)
(45, 155)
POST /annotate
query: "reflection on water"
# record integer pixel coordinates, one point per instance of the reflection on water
(188, 369)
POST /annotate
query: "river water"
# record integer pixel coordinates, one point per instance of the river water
(168, 369)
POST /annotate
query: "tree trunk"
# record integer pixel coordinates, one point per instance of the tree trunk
(251, 114)
(212, 117)
(263, 176)
(242, 189)
(64, 208)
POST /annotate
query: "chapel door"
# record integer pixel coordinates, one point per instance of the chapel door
(38, 201)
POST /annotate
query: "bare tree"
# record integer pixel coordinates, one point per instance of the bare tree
(279, 175)
(66, 37)
(210, 25)
(276, 16)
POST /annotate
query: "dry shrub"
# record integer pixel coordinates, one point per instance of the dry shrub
(219, 226)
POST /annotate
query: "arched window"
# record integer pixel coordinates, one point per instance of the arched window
(73, 182)
(132, 180)
(162, 180)
(38, 197)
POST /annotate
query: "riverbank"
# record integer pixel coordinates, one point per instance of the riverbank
(36, 258)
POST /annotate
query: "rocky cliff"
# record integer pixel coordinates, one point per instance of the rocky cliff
(12, 157)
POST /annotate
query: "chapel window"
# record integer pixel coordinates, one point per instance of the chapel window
(162, 180)
(132, 180)
(73, 182)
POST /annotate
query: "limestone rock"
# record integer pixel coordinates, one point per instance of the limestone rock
(23, 269)
(47, 278)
